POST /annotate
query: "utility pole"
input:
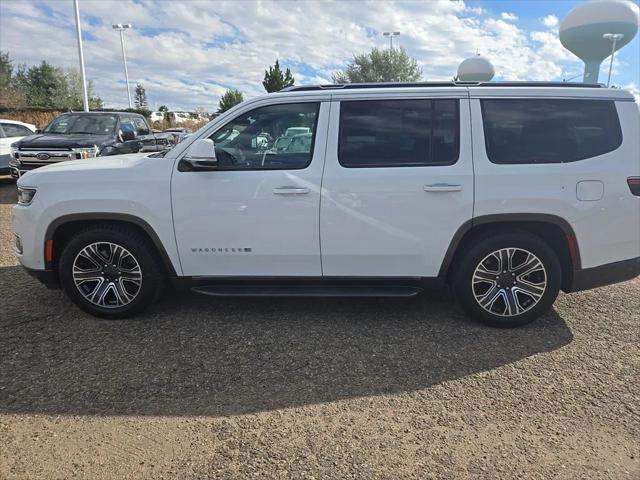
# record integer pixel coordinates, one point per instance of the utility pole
(614, 37)
(390, 35)
(85, 97)
(121, 28)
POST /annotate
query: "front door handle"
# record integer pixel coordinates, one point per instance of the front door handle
(290, 190)
(442, 187)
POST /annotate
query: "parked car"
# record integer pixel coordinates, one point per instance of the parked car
(180, 117)
(79, 135)
(505, 192)
(156, 116)
(11, 131)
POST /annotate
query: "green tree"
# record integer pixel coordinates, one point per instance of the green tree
(163, 108)
(6, 70)
(275, 80)
(46, 86)
(229, 99)
(11, 95)
(42, 84)
(140, 97)
(380, 65)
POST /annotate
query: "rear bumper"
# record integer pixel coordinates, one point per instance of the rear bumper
(587, 278)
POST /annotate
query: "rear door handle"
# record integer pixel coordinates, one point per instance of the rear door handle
(442, 187)
(290, 190)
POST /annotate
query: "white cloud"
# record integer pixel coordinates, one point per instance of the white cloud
(508, 16)
(550, 21)
(475, 10)
(187, 54)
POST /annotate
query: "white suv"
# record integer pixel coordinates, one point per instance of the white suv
(506, 192)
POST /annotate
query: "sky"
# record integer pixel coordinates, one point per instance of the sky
(187, 53)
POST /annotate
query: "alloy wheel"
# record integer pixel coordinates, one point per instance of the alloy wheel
(107, 275)
(509, 282)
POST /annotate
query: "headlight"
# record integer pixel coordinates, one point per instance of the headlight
(86, 152)
(25, 195)
(14, 150)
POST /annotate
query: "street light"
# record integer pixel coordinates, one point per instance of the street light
(121, 28)
(390, 35)
(85, 98)
(615, 38)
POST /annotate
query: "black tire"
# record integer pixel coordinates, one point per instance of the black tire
(469, 295)
(149, 269)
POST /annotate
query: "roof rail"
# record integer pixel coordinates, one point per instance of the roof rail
(350, 86)
(540, 84)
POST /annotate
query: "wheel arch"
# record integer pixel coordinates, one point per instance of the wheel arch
(556, 231)
(62, 229)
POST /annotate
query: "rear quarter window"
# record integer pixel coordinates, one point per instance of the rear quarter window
(524, 131)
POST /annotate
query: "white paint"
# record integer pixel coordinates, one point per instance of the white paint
(6, 141)
(601, 11)
(475, 69)
(345, 222)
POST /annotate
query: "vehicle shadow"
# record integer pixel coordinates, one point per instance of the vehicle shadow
(193, 355)
(8, 190)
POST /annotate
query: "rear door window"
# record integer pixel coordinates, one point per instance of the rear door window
(398, 133)
(524, 131)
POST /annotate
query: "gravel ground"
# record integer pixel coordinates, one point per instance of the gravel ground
(314, 388)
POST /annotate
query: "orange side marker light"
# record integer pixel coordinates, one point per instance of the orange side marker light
(48, 251)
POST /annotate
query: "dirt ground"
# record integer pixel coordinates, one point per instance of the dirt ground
(202, 388)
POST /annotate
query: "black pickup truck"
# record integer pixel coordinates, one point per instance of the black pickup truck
(78, 135)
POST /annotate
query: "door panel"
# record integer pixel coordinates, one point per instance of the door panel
(393, 221)
(253, 221)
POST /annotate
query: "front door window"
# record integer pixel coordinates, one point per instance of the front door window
(276, 137)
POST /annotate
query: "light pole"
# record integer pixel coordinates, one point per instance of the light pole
(614, 37)
(390, 35)
(85, 97)
(121, 28)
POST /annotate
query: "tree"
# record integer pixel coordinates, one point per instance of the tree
(229, 99)
(163, 108)
(275, 80)
(6, 70)
(386, 65)
(44, 86)
(140, 97)
(11, 95)
(70, 98)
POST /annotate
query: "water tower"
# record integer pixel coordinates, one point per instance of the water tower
(594, 30)
(475, 69)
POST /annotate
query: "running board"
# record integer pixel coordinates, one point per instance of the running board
(309, 290)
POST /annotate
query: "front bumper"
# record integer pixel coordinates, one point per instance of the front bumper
(608, 274)
(16, 172)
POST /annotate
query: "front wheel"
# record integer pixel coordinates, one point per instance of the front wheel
(110, 271)
(508, 280)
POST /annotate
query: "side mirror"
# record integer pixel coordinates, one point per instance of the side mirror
(127, 134)
(38, 130)
(200, 156)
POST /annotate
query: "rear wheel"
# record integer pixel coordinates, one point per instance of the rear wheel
(110, 271)
(508, 280)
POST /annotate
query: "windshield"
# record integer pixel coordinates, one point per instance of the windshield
(83, 124)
